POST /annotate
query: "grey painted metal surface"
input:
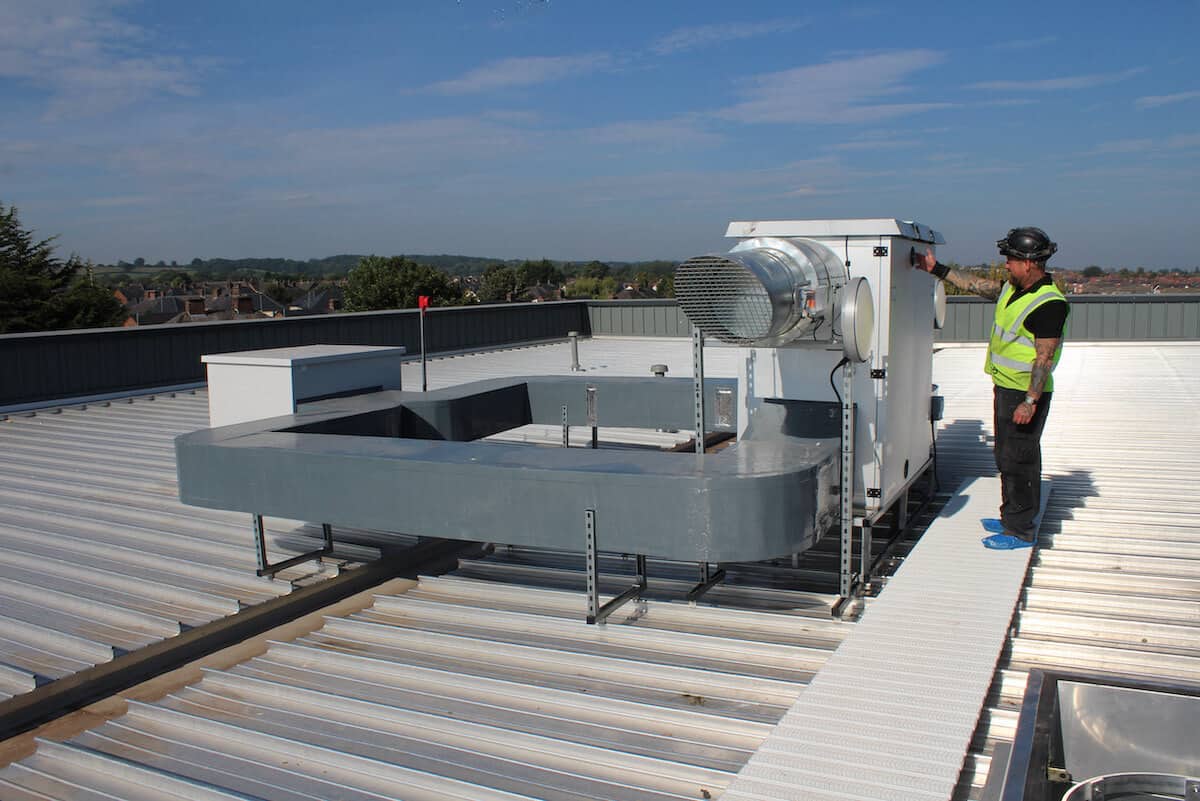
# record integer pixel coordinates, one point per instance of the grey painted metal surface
(406, 460)
(97, 555)
(69, 364)
(66, 364)
(1094, 318)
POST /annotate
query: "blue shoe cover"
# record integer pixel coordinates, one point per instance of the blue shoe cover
(1005, 542)
(992, 525)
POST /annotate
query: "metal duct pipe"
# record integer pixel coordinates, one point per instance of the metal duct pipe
(765, 292)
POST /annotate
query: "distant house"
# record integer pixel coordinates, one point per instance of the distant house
(321, 301)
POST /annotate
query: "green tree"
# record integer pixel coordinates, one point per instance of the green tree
(39, 292)
(499, 284)
(1094, 271)
(395, 283)
(587, 287)
(595, 269)
(533, 273)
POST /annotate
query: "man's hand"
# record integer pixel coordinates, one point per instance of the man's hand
(1022, 414)
(926, 261)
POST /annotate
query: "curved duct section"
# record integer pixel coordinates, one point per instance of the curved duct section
(765, 292)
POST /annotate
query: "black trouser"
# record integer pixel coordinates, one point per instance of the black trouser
(1019, 460)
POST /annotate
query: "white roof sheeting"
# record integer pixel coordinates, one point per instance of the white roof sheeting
(98, 556)
(462, 688)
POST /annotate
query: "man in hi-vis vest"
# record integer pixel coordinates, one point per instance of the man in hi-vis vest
(1026, 342)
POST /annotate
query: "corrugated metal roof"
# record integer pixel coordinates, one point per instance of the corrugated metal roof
(97, 555)
(494, 689)
(466, 689)
(1114, 586)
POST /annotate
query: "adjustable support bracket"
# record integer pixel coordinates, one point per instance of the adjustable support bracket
(597, 612)
(708, 580)
(266, 568)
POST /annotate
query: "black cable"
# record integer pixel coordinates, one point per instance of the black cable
(845, 360)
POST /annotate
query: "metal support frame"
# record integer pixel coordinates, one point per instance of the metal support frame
(698, 382)
(597, 612)
(592, 416)
(266, 568)
(708, 580)
(566, 429)
(845, 571)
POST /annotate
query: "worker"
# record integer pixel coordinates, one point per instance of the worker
(1026, 341)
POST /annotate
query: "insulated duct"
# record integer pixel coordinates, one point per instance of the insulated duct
(769, 291)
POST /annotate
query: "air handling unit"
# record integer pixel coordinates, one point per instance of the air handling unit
(798, 299)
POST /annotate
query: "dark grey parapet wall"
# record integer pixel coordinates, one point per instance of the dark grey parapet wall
(68, 364)
(35, 368)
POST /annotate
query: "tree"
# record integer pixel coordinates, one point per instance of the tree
(395, 283)
(1094, 271)
(39, 292)
(499, 284)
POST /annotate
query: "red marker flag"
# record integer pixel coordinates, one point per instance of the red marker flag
(422, 302)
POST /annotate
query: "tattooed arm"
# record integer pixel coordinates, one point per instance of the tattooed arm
(1043, 363)
(976, 285)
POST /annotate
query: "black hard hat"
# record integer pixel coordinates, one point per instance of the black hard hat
(1027, 243)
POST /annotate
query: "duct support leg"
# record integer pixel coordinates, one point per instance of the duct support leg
(265, 568)
(698, 385)
(566, 429)
(846, 568)
(597, 612)
(708, 580)
(592, 416)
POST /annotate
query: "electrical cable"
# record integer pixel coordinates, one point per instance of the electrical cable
(845, 360)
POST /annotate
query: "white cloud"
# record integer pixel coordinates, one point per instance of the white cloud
(876, 144)
(1025, 44)
(844, 91)
(1060, 84)
(1154, 101)
(527, 71)
(653, 133)
(698, 36)
(1145, 145)
(85, 57)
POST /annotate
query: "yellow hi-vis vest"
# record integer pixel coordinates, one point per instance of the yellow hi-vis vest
(1011, 352)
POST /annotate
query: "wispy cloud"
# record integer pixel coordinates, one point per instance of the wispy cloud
(86, 57)
(843, 91)
(1025, 44)
(876, 144)
(698, 36)
(1154, 101)
(1060, 84)
(1146, 145)
(668, 133)
(527, 71)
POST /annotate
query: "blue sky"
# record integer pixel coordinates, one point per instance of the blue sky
(600, 129)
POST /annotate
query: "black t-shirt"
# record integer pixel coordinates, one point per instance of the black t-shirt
(1048, 320)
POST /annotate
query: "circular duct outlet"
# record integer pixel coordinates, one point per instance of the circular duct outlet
(939, 305)
(765, 292)
(858, 319)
